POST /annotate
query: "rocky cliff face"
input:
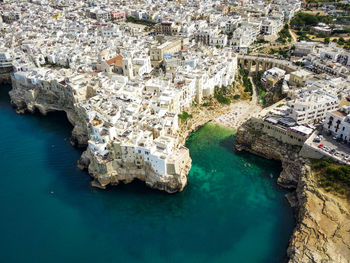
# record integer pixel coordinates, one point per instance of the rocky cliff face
(274, 95)
(322, 233)
(250, 138)
(5, 78)
(113, 173)
(29, 97)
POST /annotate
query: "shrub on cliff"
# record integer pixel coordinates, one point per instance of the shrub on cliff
(332, 176)
(184, 116)
(220, 97)
(248, 87)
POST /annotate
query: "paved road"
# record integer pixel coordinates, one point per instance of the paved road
(255, 97)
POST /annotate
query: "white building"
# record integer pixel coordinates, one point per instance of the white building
(338, 123)
(242, 38)
(312, 107)
(219, 40)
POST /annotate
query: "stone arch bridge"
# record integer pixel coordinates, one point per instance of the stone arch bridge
(260, 63)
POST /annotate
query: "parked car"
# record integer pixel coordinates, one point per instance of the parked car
(334, 138)
(326, 149)
(320, 146)
(317, 139)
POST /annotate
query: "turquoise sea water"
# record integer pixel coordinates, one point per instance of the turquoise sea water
(231, 211)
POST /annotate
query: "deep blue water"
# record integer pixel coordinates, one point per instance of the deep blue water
(231, 211)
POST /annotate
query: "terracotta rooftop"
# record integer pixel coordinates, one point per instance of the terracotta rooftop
(118, 61)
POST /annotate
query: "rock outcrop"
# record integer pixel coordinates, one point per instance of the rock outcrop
(114, 173)
(31, 97)
(5, 78)
(250, 138)
(274, 95)
(322, 233)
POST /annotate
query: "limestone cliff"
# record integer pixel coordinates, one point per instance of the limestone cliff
(274, 95)
(250, 138)
(322, 233)
(115, 172)
(30, 97)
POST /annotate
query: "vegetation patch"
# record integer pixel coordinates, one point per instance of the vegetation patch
(259, 87)
(284, 52)
(54, 65)
(206, 104)
(303, 21)
(184, 116)
(248, 86)
(302, 36)
(136, 20)
(342, 42)
(332, 176)
(300, 64)
(284, 34)
(219, 95)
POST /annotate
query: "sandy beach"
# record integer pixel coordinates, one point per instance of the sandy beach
(239, 113)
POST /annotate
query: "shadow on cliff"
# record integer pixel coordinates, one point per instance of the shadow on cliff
(4, 97)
